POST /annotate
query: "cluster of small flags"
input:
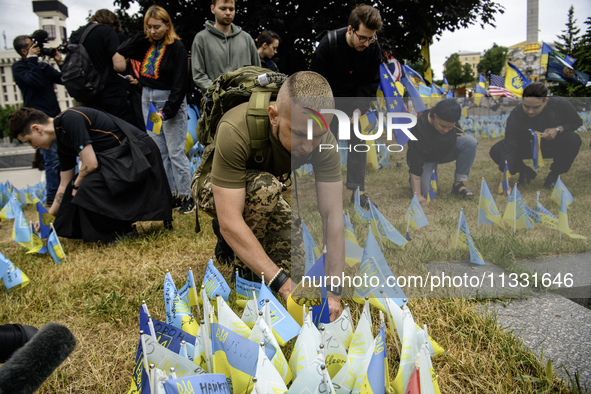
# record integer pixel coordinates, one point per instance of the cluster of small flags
(24, 233)
(244, 354)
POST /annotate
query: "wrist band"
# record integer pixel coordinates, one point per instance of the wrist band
(75, 187)
(280, 278)
(274, 277)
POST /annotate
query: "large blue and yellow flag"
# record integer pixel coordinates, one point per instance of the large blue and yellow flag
(464, 241)
(557, 197)
(515, 81)
(215, 283)
(546, 50)
(11, 275)
(413, 92)
(559, 70)
(384, 231)
(536, 149)
(44, 220)
(504, 185)
(55, 247)
(236, 357)
(432, 193)
(515, 213)
(563, 219)
(488, 212)
(360, 215)
(283, 325)
(154, 121)
(548, 219)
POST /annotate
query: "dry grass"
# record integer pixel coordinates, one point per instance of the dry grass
(97, 291)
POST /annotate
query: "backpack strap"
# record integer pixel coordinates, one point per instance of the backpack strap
(332, 40)
(86, 31)
(257, 120)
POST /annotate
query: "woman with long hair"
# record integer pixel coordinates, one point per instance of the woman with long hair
(163, 75)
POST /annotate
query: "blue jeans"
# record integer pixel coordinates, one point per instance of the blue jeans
(52, 171)
(171, 141)
(462, 153)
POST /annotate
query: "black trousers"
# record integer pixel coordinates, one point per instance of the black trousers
(563, 149)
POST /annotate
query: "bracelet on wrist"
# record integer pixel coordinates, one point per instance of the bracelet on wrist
(278, 280)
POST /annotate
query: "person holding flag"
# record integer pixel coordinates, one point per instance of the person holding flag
(440, 140)
(556, 118)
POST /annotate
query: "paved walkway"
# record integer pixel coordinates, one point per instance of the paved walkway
(22, 177)
(547, 321)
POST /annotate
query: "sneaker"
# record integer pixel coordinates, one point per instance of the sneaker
(177, 201)
(526, 176)
(550, 180)
(187, 205)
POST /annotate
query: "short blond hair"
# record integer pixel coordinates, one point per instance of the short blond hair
(311, 89)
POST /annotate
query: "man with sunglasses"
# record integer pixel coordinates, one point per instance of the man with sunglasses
(349, 58)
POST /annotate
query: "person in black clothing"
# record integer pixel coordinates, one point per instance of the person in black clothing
(350, 61)
(36, 79)
(439, 141)
(556, 118)
(267, 44)
(101, 45)
(84, 205)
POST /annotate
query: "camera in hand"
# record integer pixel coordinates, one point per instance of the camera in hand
(39, 37)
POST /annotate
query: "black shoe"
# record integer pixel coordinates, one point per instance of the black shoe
(187, 206)
(177, 202)
(526, 176)
(550, 180)
(363, 200)
(223, 252)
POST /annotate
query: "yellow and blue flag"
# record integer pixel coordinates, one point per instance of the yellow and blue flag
(464, 241)
(36, 245)
(192, 141)
(488, 212)
(563, 219)
(411, 88)
(342, 327)
(245, 290)
(373, 264)
(154, 121)
(164, 358)
(21, 232)
(360, 215)
(546, 50)
(504, 185)
(140, 382)
(536, 149)
(515, 81)
(306, 348)
(268, 378)
(55, 247)
(432, 193)
(230, 320)
(557, 197)
(262, 332)
(548, 219)
(235, 357)
(353, 251)
(44, 220)
(215, 283)
(376, 378)
(178, 310)
(386, 232)
(415, 215)
(428, 378)
(283, 325)
(11, 275)
(515, 213)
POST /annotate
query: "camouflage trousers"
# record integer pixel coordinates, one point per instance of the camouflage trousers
(267, 214)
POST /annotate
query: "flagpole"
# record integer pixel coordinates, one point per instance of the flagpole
(152, 378)
(458, 232)
(515, 207)
(480, 200)
(143, 342)
(194, 292)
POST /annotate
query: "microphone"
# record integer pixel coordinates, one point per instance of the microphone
(29, 366)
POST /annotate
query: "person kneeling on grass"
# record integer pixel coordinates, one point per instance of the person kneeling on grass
(440, 140)
(85, 207)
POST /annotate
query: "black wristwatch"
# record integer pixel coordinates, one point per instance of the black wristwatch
(336, 290)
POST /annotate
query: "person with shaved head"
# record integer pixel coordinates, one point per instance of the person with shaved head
(245, 195)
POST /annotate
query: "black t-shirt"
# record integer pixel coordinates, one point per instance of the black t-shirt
(79, 126)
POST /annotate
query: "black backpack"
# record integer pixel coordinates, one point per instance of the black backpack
(80, 77)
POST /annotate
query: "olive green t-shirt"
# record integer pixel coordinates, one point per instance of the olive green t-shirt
(233, 154)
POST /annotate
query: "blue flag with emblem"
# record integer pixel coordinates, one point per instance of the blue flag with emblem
(360, 215)
(11, 275)
(376, 379)
(548, 219)
(316, 274)
(384, 231)
(488, 212)
(283, 325)
(559, 186)
(55, 247)
(154, 121)
(215, 283)
(21, 232)
(515, 81)
(464, 241)
(44, 220)
(312, 251)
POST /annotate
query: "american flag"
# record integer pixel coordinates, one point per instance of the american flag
(497, 87)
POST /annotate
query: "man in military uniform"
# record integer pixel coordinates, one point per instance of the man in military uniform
(245, 195)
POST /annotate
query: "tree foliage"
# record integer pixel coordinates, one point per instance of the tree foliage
(570, 36)
(5, 113)
(493, 60)
(455, 72)
(405, 23)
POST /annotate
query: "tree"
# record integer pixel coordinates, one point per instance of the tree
(569, 36)
(455, 72)
(493, 60)
(4, 115)
(405, 23)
